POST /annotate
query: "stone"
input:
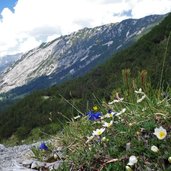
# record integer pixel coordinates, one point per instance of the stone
(40, 164)
(2, 148)
(34, 165)
(57, 164)
(27, 163)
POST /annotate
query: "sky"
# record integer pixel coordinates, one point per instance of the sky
(25, 24)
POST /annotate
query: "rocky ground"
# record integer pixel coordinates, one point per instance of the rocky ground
(11, 157)
(20, 158)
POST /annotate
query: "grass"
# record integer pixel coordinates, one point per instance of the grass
(132, 133)
(136, 114)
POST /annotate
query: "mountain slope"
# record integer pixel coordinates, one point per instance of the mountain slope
(73, 55)
(36, 109)
(7, 61)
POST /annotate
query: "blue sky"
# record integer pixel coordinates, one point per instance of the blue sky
(7, 4)
(37, 21)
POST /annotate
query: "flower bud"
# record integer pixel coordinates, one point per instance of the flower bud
(55, 156)
(169, 159)
(154, 149)
(128, 168)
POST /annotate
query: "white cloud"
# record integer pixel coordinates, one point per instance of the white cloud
(146, 7)
(52, 37)
(35, 21)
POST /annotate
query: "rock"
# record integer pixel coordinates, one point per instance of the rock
(2, 148)
(27, 163)
(34, 165)
(41, 164)
(20, 158)
(57, 164)
(27, 154)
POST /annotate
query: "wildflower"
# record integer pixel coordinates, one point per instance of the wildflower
(43, 146)
(111, 112)
(130, 124)
(160, 133)
(77, 117)
(107, 125)
(95, 108)
(109, 115)
(143, 95)
(132, 160)
(94, 116)
(139, 91)
(105, 139)
(116, 100)
(98, 131)
(141, 99)
(154, 148)
(143, 109)
(122, 111)
(50, 119)
(89, 139)
(169, 159)
(128, 168)
(128, 146)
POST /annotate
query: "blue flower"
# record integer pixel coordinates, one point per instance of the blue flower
(93, 115)
(43, 146)
(109, 111)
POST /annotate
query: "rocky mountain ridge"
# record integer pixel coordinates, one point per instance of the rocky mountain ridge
(73, 55)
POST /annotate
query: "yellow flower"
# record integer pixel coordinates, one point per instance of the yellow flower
(108, 115)
(95, 108)
(154, 148)
(98, 131)
(160, 133)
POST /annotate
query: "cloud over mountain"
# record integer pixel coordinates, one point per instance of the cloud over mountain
(36, 21)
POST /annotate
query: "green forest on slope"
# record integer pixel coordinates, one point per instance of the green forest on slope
(42, 108)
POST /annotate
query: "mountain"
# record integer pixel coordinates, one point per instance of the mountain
(73, 55)
(7, 61)
(151, 53)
